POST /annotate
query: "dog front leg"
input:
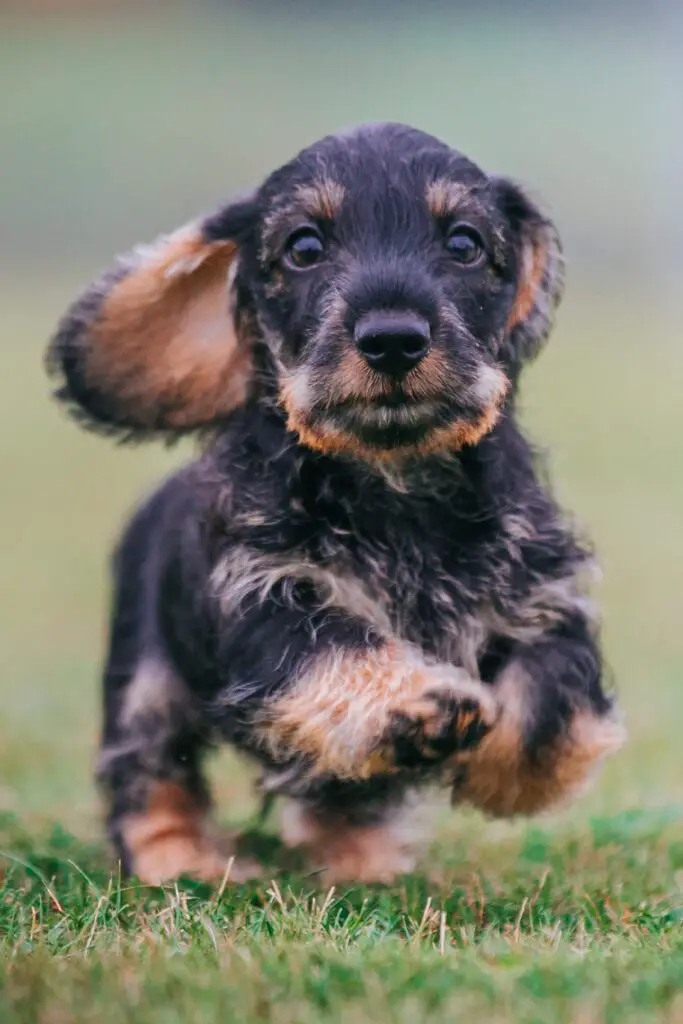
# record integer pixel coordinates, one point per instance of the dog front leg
(554, 725)
(327, 690)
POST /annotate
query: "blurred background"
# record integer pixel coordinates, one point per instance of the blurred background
(118, 121)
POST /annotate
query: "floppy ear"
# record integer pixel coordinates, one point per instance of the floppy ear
(154, 344)
(540, 274)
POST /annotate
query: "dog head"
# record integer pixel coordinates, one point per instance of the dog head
(387, 289)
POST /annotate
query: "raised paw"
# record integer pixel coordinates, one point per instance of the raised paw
(440, 723)
(351, 712)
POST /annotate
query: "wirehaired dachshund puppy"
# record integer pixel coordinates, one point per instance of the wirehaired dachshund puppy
(361, 581)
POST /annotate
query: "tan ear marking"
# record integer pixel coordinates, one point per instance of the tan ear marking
(536, 258)
(155, 346)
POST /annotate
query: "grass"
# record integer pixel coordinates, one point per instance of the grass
(563, 926)
(576, 917)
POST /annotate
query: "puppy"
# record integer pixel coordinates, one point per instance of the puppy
(360, 582)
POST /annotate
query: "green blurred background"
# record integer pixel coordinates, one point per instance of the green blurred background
(118, 121)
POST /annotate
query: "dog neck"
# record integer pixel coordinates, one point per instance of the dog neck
(475, 481)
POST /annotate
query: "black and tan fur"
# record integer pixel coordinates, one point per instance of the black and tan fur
(361, 580)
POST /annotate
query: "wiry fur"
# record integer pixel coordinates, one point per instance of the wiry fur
(362, 582)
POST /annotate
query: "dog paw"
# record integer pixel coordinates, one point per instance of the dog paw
(340, 852)
(169, 859)
(440, 723)
(171, 839)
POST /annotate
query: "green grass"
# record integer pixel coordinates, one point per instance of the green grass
(567, 925)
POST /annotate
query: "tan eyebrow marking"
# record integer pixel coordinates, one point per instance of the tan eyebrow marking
(445, 199)
(320, 200)
(323, 198)
(445, 196)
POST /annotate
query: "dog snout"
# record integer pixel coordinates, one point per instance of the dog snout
(392, 342)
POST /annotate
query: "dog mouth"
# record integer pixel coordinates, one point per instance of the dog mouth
(392, 421)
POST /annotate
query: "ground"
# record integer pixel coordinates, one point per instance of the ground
(578, 917)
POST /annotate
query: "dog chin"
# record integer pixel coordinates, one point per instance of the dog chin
(391, 429)
(380, 432)
(387, 426)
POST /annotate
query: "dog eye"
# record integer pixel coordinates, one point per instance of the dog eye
(304, 249)
(465, 244)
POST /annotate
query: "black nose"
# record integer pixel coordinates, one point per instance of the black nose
(392, 343)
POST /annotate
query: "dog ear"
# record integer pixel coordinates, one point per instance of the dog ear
(154, 345)
(540, 274)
